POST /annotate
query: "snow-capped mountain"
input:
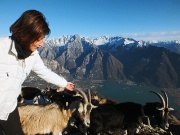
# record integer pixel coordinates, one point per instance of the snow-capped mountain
(173, 45)
(61, 41)
(115, 58)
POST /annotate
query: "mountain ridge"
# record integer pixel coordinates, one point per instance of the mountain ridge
(111, 40)
(119, 59)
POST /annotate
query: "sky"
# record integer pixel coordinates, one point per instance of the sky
(137, 19)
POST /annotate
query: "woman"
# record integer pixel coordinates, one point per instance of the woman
(18, 56)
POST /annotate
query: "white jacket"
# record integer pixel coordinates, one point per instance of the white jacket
(13, 72)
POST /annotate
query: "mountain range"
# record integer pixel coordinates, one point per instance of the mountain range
(153, 63)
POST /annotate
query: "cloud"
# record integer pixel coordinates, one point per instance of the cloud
(173, 35)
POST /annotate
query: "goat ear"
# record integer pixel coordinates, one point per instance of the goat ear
(69, 112)
(80, 109)
(170, 109)
(60, 89)
(67, 104)
(93, 106)
(73, 110)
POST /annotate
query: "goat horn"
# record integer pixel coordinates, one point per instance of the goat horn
(89, 93)
(83, 94)
(166, 98)
(161, 98)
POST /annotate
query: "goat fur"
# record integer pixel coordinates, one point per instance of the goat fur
(38, 119)
(108, 117)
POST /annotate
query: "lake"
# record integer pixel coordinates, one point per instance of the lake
(138, 94)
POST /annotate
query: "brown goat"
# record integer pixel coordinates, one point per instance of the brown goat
(96, 99)
(37, 119)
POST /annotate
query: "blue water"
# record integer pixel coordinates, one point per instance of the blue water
(138, 94)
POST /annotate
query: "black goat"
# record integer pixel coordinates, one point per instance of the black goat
(65, 97)
(158, 112)
(108, 118)
(32, 95)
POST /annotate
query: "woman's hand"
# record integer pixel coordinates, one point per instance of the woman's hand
(70, 86)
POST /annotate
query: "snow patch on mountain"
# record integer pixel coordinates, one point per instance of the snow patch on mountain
(126, 42)
(65, 39)
(101, 40)
(115, 41)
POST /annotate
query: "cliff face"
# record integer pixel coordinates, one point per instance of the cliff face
(82, 59)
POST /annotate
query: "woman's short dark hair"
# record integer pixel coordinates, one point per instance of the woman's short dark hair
(30, 27)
